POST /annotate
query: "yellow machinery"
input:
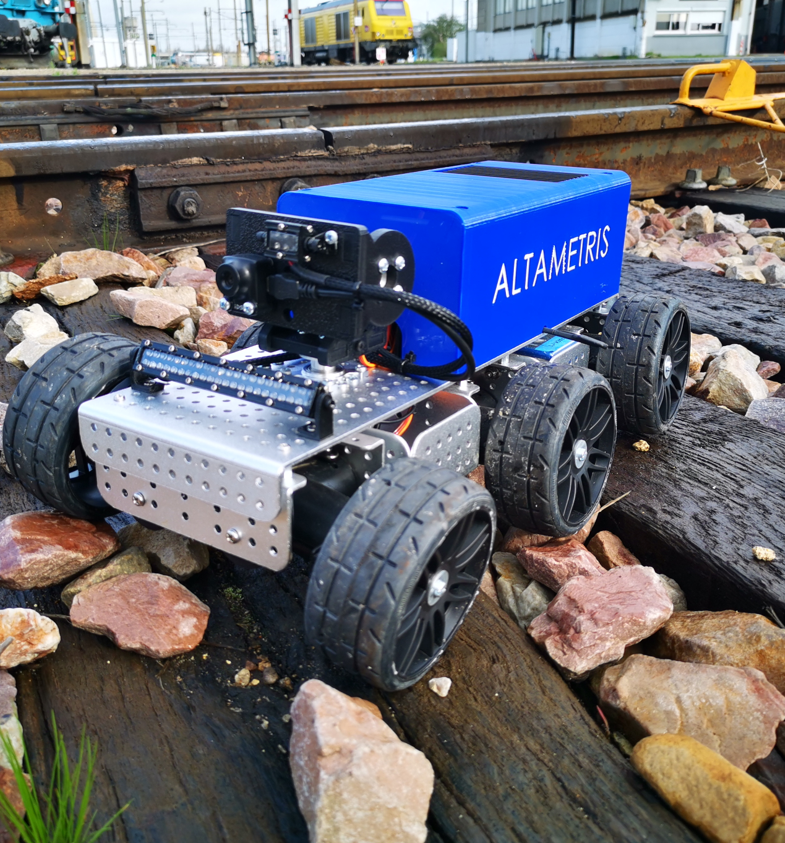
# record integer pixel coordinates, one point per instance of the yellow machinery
(327, 31)
(732, 89)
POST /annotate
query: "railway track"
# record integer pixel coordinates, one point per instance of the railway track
(42, 107)
(56, 196)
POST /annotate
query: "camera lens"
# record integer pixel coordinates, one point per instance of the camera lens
(234, 276)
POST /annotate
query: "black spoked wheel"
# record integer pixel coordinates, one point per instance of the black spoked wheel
(444, 591)
(646, 361)
(674, 366)
(586, 454)
(41, 439)
(399, 570)
(550, 447)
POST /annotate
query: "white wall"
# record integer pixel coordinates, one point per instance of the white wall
(592, 38)
(632, 35)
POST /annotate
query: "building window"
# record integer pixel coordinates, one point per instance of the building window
(310, 30)
(342, 31)
(503, 6)
(706, 21)
(672, 22)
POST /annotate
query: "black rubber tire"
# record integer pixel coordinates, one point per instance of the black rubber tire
(636, 330)
(248, 338)
(377, 559)
(41, 425)
(524, 449)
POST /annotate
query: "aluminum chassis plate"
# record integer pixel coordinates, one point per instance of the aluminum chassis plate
(221, 470)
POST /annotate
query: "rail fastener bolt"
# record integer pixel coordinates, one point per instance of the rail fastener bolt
(185, 203)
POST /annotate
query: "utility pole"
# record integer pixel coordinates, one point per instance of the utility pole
(212, 40)
(467, 32)
(267, 21)
(295, 22)
(220, 32)
(119, 22)
(250, 33)
(103, 35)
(193, 33)
(207, 38)
(356, 30)
(145, 37)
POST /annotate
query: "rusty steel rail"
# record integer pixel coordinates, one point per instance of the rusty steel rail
(57, 108)
(132, 182)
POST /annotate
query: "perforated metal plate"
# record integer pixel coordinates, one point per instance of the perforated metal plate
(198, 456)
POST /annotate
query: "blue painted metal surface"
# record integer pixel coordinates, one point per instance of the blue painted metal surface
(508, 247)
(33, 11)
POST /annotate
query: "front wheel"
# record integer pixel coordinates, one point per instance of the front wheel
(41, 431)
(399, 570)
(647, 360)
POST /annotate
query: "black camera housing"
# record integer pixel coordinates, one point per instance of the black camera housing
(275, 272)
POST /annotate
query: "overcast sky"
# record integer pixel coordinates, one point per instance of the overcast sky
(186, 17)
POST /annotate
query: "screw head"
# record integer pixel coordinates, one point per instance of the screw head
(331, 237)
(224, 304)
(139, 499)
(384, 265)
(400, 263)
(233, 535)
(248, 308)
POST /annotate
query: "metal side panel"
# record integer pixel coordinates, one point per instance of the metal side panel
(221, 470)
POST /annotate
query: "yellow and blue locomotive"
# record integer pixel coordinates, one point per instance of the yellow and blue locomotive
(327, 31)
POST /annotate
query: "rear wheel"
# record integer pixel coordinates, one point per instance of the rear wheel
(399, 570)
(41, 434)
(550, 447)
(248, 338)
(647, 360)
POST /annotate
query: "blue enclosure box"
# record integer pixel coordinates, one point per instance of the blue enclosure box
(508, 247)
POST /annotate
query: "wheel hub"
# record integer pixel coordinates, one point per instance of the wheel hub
(437, 586)
(667, 366)
(580, 453)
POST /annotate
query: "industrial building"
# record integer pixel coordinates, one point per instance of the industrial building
(559, 29)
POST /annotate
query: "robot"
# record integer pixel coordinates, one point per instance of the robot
(408, 329)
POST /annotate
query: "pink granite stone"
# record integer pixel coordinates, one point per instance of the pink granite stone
(593, 619)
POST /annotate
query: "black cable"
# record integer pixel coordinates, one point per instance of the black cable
(447, 322)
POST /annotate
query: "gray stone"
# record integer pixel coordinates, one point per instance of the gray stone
(730, 223)
(186, 332)
(700, 220)
(730, 382)
(70, 292)
(751, 360)
(774, 274)
(745, 273)
(769, 412)
(27, 352)
(29, 323)
(9, 281)
(131, 561)
(675, 593)
(168, 552)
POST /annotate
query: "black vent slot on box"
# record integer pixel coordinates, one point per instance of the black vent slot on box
(509, 173)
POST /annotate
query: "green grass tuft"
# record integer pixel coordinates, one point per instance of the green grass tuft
(62, 814)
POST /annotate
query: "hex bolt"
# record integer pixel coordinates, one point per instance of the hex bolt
(185, 203)
(723, 177)
(384, 265)
(400, 263)
(693, 180)
(139, 499)
(233, 535)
